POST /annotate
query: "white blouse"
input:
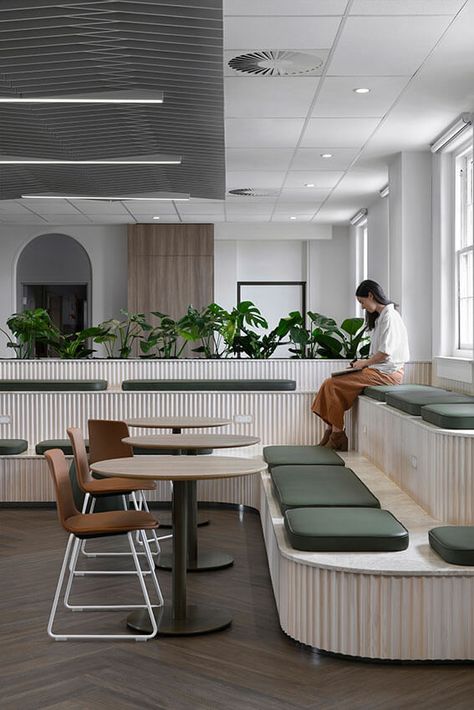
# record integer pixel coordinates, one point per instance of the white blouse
(389, 336)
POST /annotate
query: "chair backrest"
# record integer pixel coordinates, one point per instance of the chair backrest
(58, 468)
(80, 457)
(105, 440)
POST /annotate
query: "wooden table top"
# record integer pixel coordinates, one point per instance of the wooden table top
(191, 441)
(177, 422)
(179, 468)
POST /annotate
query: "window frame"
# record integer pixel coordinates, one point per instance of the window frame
(458, 250)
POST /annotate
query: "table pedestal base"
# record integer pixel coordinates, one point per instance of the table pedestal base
(199, 620)
(205, 561)
(166, 522)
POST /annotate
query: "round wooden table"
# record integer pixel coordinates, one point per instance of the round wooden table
(191, 444)
(177, 424)
(180, 619)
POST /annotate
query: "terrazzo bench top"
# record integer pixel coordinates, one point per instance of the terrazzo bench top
(237, 385)
(52, 385)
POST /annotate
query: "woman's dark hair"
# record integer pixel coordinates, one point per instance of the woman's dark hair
(372, 287)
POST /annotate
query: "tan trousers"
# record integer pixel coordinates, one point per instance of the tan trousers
(337, 394)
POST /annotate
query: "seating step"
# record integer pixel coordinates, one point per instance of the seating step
(449, 416)
(11, 447)
(301, 455)
(412, 402)
(210, 385)
(379, 392)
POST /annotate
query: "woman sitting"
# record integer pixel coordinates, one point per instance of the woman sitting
(384, 366)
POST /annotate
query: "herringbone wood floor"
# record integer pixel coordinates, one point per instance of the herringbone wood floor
(250, 666)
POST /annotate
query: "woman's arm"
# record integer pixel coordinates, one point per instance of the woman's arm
(375, 359)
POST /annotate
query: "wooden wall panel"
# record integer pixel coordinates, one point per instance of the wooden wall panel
(170, 267)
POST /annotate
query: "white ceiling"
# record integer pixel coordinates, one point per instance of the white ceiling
(416, 56)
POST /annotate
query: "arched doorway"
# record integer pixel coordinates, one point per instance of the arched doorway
(54, 272)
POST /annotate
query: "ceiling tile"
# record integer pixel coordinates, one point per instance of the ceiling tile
(260, 180)
(69, 219)
(251, 217)
(283, 7)
(206, 207)
(278, 96)
(311, 158)
(406, 7)
(150, 208)
(337, 98)
(14, 207)
(50, 207)
(312, 196)
(385, 46)
(166, 219)
(294, 208)
(263, 132)
(281, 217)
(100, 207)
(361, 182)
(280, 32)
(247, 159)
(320, 179)
(342, 132)
(202, 218)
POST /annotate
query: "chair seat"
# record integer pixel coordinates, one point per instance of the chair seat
(412, 402)
(10, 447)
(63, 444)
(455, 544)
(301, 455)
(117, 486)
(320, 486)
(345, 530)
(379, 392)
(116, 522)
(449, 416)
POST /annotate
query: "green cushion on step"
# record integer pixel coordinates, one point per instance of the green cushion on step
(10, 447)
(301, 455)
(455, 544)
(412, 402)
(320, 486)
(449, 416)
(345, 530)
(139, 451)
(63, 444)
(379, 392)
(52, 385)
(210, 385)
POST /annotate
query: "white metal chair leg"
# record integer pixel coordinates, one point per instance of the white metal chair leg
(72, 551)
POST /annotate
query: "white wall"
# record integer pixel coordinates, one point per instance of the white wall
(378, 246)
(107, 250)
(331, 289)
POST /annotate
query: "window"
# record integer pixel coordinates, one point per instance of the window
(464, 252)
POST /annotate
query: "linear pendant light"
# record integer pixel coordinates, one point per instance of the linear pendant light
(148, 196)
(359, 217)
(104, 97)
(456, 130)
(129, 160)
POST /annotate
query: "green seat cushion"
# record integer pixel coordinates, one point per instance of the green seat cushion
(454, 544)
(449, 416)
(320, 486)
(63, 444)
(139, 451)
(210, 385)
(345, 530)
(10, 447)
(301, 455)
(379, 392)
(412, 402)
(52, 385)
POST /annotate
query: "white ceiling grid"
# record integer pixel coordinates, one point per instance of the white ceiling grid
(276, 127)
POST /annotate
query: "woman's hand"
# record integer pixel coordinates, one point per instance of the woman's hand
(359, 364)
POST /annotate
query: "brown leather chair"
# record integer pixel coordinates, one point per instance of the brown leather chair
(83, 526)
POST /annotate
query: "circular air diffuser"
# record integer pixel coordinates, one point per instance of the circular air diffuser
(276, 62)
(251, 192)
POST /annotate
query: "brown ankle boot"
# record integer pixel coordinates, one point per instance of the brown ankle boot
(338, 441)
(325, 439)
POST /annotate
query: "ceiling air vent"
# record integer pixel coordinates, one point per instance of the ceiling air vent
(251, 192)
(277, 62)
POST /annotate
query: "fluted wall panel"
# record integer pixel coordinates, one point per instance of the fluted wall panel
(434, 466)
(308, 373)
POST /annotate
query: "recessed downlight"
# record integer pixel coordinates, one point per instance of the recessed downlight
(361, 90)
(326, 155)
(156, 218)
(309, 184)
(292, 217)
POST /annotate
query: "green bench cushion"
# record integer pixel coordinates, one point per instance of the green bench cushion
(379, 392)
(10, 447)
(412, 402)
(52, 385)
(320, 486)
(301, 455)
(210, 385)
(449, 416)
(139, 451)
(345, 530)
(455, 544)
(63, 444)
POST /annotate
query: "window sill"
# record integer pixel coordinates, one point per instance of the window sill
(460, 369)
